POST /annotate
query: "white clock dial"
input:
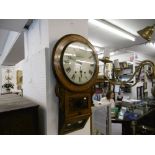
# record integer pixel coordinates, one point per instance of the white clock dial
(79, 63)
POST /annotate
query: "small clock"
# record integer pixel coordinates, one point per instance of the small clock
(75, 62)
(75, 65)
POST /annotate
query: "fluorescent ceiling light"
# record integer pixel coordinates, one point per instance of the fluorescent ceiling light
(113, 28)
(112, 53)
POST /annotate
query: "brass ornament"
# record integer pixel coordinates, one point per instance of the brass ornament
(147, 32)
(117, 71)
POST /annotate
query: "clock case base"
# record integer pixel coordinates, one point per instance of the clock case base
(74, 109)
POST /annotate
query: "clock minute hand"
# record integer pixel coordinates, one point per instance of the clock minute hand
(72, 58)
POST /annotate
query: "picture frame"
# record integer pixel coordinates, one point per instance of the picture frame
(19, 79)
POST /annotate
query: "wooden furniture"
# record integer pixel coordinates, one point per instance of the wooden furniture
(18, 116)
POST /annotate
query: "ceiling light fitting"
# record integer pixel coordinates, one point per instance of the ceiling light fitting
(147, 32)
(113, 28)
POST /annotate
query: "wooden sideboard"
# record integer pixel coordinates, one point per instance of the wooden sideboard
(18, 116)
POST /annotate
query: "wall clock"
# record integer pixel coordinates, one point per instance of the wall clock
(75, 65)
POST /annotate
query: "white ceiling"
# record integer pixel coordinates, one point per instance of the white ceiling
(3, 37)
(17, 52)
(13, 24)
(111, 41)
(95, 34)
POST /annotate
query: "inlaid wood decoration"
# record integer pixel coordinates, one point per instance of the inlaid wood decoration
(75, 65)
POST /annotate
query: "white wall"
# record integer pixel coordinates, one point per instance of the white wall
(34, 86)
(19, 65)
(144, 57)
(36, 38)
(39, 80)
(124, 56)
(34, 67)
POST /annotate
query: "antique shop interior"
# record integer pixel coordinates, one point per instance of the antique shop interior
(77, 77)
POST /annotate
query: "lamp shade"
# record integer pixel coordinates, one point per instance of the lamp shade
(146, 33)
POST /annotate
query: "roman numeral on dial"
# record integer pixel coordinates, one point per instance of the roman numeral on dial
(68, 69)
(73, 77)
(90, 72)
(92, 65)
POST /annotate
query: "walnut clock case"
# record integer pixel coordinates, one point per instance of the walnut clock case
(75, 65)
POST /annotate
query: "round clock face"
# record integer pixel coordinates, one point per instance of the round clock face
(79, 63)
(75, 63)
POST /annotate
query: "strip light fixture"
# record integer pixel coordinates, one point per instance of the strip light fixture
(112, 28)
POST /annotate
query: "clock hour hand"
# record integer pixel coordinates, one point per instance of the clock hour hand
(80, 71)
(71, 57)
